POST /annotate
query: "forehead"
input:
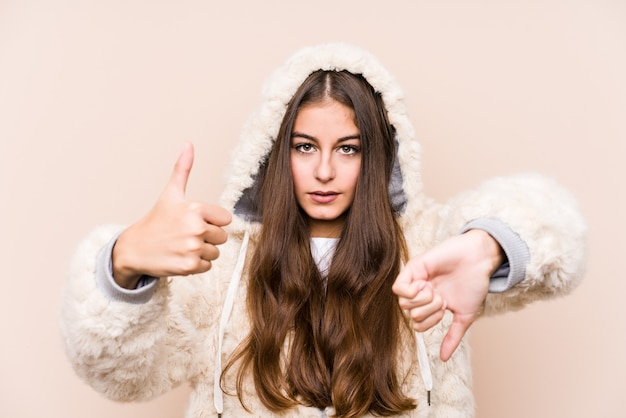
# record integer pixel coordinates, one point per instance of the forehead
(325, 116)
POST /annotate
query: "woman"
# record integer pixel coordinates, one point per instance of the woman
(308, 311)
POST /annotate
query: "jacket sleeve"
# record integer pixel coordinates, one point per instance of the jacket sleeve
(127, 351)
(548, 222)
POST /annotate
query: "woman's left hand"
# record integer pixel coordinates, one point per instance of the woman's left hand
(453, 275)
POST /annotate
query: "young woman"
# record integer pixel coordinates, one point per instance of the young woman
(334, 259)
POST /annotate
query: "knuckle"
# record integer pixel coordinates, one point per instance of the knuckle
(193, 245)
(196, 227)
(190, 265)
(416, 316)
(417, 326)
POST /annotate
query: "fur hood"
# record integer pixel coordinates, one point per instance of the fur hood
(260, 131)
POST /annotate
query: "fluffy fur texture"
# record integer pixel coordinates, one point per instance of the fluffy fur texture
(137, 351)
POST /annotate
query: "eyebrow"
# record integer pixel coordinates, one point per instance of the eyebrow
(312, 138)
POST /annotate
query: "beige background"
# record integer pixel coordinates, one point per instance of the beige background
(97, 97)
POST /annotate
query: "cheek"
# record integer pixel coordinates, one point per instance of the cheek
(354, 175)
(296, 173)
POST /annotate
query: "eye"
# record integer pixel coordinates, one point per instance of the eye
(304, 147)
(348, 149)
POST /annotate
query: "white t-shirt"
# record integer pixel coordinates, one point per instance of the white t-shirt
(322, 250)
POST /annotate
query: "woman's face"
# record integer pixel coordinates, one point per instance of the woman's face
(325, 164)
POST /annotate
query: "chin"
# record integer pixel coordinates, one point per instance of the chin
(324, 217)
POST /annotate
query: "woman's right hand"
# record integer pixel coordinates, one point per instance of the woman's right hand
(177, 237)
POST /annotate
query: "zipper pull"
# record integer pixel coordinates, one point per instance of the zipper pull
(428, 397)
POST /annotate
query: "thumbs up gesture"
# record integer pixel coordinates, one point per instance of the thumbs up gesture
(177, 237)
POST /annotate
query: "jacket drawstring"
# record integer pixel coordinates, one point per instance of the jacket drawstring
(218, 395)
(424, 364)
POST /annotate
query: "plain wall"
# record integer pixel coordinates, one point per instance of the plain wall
(97, 98)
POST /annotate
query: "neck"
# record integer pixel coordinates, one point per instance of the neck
(325, 229)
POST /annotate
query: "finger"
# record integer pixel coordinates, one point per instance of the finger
(429, 321)
(420, 293)
(421, 312)
(453, 338)
(177, 183)
(216, 215)
(193, 265)
(407, 283)
(215, 235)
(402, 285)
(209, 252)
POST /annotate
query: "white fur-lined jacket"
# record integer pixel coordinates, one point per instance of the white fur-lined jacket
(135, 345)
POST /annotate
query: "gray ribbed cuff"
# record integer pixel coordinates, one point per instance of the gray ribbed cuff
(516, 250)
(106, 282)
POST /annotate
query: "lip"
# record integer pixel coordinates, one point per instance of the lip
(323, 197)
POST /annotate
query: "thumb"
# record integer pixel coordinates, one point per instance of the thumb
(177, 183)
(454, 336)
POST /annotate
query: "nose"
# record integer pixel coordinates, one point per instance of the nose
(325, 169)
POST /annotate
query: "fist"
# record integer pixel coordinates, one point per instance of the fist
(453, 276)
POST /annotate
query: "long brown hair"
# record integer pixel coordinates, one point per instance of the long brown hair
(327, 341)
